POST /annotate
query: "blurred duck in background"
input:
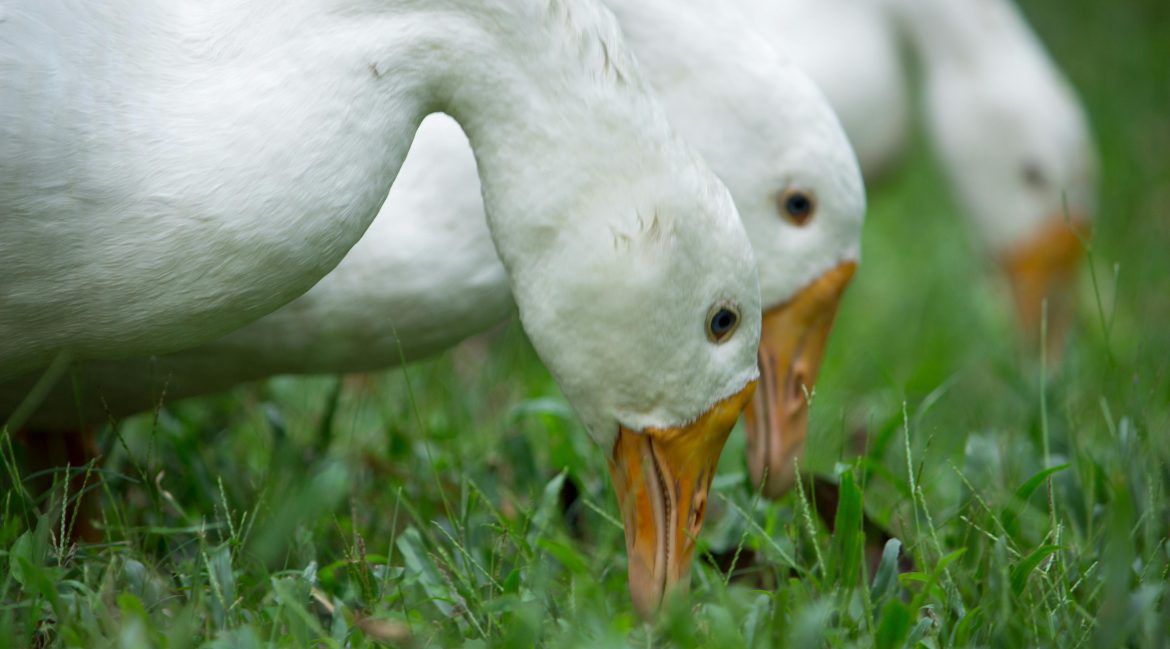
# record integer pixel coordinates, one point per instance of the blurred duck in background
(1005, 124)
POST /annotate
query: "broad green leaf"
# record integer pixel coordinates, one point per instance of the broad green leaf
(925, 624)
(131, 606)
(1026, 565)
(420, 566)
(848, 538)
(512, 581)
(946, 561)
(547, 507)
(753, 621)
(887, 572)
(1024, 492)
(37, 579)
(293, 594)
(21, 552)
(893, 625)
(568, 556)
(967, 627)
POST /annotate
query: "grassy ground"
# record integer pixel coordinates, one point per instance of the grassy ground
(427, 501)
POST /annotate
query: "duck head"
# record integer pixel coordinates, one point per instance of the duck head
(645, 307)
(1016, 146)
(1021, 163)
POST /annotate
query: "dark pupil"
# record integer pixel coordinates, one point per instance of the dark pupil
(799, 205)
(1033, 176)
(722, 322)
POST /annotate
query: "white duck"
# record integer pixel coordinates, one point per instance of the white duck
(1014, 140)
(1005, 124)
(171, 170)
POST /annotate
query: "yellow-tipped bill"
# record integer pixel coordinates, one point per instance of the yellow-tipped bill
(792, 342)
(1044, 268)
(662, 477)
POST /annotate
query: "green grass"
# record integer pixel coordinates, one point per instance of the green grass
(426, 501)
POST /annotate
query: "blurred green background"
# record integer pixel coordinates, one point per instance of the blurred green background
(426, 503)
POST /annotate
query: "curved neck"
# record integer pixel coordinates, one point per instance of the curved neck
(529, 82)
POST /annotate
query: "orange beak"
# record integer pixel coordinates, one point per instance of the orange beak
(791, 345)
(1044, 268)
(662, 477)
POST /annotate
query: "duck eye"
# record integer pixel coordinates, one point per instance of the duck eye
(797, 206)
(1033, 175)
(721, 322)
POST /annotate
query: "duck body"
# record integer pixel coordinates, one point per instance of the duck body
(424, 276)
(410, 287)
(145, 199)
